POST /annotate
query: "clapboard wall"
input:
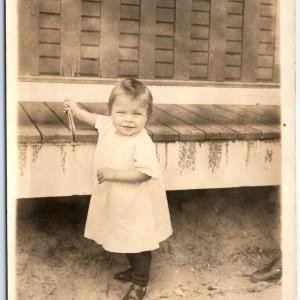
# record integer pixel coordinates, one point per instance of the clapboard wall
(205, 40)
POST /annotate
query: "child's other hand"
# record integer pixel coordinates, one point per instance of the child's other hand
(105, 174)
(68, 104)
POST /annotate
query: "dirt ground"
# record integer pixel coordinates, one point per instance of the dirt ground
(220, 237)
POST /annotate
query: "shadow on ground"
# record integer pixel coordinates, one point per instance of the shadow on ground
(220, 237)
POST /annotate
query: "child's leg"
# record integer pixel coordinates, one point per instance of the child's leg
(141, 263)
(130, 258)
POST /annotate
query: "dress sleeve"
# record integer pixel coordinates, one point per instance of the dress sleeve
(101, 121)
(145, 159)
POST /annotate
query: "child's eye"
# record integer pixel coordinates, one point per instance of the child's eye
(137, 114)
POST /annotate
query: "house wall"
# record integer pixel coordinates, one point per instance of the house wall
(176, 40)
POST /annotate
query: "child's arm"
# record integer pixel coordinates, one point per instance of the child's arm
(129, 176)
(79, 113)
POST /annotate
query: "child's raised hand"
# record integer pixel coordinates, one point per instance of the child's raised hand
(105, 174)
(68, 104)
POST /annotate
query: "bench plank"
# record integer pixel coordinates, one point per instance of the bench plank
(210, 129)
(160, 132)
(207, 111)
(186, 131)
(27, 132)
(258, 117)
(84, 132)
(51, 128)
(96, 108)
(253, 120)
(269, 112)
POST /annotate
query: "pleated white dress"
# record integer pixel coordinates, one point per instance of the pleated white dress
(127, 217)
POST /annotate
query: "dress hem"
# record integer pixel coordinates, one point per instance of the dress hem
(117, 250)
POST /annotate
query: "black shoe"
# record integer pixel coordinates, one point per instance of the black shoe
(270, 273)
(135, 292)
(124, 276)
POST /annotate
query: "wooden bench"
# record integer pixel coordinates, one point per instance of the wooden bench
(198, 146)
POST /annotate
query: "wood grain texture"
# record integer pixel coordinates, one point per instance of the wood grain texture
(27, 132)
(90, 9)
(90, 24)
(270, 113)
(165, 3)
(28, 47)
(48, 20)
(164, 70)
(200, 5)
(265, 74)
(50, 36)
(187, 115)
(50, 6)
(49, 65)
(253, 120)
(84, 133)
(163, 42)
(109, 40)
(250, 40)
(51, 50)
(185, 130)
(147, 40)
(70, 38)
(128, 69)
(46, 122)
(51, 128)
(161, 132)
(89, 67)
(217, 41)
(129, 40)
(208, 112)
(165, 14)
(96, 108)
(90, 38)
(182, 40)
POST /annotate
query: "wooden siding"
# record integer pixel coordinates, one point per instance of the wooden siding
(206, 40)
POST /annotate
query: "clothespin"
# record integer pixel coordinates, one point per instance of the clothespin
(71, 121)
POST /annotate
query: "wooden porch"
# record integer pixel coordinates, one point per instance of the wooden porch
(198, 146)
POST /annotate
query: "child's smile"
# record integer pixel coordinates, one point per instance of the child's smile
(129, 116)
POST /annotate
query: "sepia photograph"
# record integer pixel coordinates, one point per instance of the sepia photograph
(150, 149)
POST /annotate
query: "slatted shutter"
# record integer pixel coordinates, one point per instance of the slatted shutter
(90, 38)
(199, 40)
(49, 37)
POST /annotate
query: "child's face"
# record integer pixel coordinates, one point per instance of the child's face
(129, 117)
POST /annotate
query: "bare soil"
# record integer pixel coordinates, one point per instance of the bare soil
(220, 238)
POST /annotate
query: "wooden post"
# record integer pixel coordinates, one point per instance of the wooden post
(182, 39)
(28, 14)
(216, 68)
(250, 40)
(70, 37)
(147, 39)
(109, 39)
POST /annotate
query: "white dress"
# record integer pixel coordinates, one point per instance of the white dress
(127, 217)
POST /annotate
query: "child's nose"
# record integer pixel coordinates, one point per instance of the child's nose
(128, 118)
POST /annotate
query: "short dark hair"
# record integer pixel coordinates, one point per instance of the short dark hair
(132, 88)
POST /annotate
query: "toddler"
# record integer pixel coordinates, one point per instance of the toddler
(128, 210)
